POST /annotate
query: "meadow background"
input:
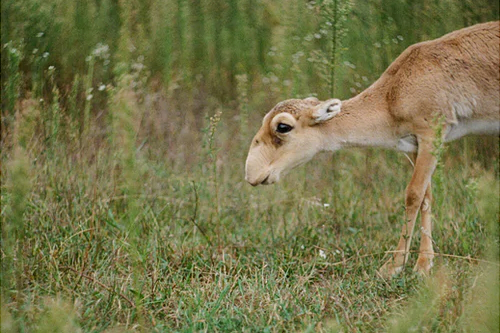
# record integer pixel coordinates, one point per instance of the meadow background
(125, 127)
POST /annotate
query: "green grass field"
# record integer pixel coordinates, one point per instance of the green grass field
(104, 235)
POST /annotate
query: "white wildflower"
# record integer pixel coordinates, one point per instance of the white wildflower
(101, 51)
(322, 254)
(349, 64)
(137, 66)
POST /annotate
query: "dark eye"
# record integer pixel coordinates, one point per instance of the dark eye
(283, 128)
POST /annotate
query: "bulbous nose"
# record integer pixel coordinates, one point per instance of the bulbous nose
(254, 176)
(257, 181)
(250, 171)
(252, 182)
(257, 168)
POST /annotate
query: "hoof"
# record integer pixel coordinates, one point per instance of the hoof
(423, 266)
(390, 269)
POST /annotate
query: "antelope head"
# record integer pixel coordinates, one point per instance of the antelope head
(290, 135)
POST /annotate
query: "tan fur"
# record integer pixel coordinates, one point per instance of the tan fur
(455, 77)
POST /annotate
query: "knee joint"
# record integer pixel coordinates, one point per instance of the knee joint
(413, 198)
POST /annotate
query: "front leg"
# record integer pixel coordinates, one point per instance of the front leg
(420, 181)
(426, 252)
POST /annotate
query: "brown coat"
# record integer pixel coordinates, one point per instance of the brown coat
(455, 78)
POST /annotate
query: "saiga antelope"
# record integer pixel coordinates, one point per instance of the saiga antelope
(455, 78)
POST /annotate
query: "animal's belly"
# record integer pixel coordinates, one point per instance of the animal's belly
(407, 144)
(470, 126)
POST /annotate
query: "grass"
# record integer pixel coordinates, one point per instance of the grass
(114, 237)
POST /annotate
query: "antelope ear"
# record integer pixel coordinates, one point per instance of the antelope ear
(326, 111)
(311, 99)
